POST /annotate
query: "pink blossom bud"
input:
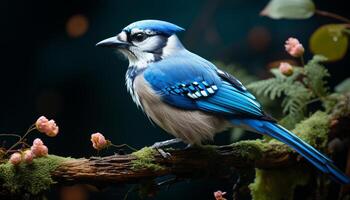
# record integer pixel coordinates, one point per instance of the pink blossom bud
(49, 127)
(219, 195)
(44, 150)
(41, 120)
(98, 141)
(39, 149)
(28, 156)
(52, 130)
(38, 142)
(294, 47)
(15, 158)
(285, 68)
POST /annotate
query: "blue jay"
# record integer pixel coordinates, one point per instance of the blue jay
(191, 98)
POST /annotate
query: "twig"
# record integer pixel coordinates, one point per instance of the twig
(20, 140)
(332, 15)
(122, 146)
(10, 135)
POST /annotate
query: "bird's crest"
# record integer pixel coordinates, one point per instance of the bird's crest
(154, 25)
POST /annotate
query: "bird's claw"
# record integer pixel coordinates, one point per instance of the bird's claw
(159, 145)
(164, 154)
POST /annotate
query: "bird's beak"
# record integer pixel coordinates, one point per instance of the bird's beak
(113, 42)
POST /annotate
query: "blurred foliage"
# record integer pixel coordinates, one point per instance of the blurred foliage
(330, 40)
(269, 184)
(304, 86)
(343, 86)
(289, 9)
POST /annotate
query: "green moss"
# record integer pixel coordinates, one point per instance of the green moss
(250, 149)
(314, 130)
(256, 149)
(145, 159)
(33, 178)
(277, 184)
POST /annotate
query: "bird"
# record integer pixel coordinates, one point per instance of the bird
(192, 99)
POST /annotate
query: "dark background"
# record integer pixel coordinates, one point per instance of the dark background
(50, 66)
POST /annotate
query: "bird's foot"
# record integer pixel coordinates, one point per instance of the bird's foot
(165, 143)
(159, 145)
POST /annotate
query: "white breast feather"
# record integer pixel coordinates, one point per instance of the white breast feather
(131, 90)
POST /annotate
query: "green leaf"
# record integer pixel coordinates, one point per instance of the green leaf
(330, 41)
(289, 9)
(343, 87)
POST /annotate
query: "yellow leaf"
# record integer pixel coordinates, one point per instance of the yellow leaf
(330, 41)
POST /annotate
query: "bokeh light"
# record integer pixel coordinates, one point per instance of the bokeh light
(75, 192)
(259, 38)
(77, 25)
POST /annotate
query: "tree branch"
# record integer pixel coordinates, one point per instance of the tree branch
(207, 161)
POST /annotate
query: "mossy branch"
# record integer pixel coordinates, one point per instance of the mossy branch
(210, 160)
(147, 164)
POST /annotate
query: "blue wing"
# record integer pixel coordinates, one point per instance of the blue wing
(196, 84)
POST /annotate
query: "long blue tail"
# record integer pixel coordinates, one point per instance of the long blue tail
(307, 151)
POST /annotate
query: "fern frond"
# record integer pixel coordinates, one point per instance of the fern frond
(263, 87)
(296, 98)
(296, 94)
(315, 76)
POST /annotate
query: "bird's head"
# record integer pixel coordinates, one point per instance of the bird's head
(146, 41)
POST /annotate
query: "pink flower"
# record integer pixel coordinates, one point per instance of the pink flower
(98, 141)
(49, 127)
(38, 142)
(294, 47)
(285, 68)
(219, 195)
(39, 149)
(15, 158)
(28, 156)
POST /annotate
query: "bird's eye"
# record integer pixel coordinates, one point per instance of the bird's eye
(139, 37)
